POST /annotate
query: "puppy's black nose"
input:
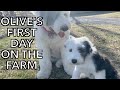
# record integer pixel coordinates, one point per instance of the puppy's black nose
(74, 61)
(64, 28)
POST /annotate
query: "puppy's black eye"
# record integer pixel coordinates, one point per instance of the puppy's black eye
(70, 50)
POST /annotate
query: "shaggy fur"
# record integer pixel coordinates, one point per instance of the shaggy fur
(59, 22)
(81, 56)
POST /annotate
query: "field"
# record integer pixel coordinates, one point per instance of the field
(110, 15)
(106, 38)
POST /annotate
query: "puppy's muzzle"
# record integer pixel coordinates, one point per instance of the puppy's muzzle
(64, 28)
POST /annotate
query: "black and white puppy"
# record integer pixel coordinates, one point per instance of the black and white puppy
(81, 56)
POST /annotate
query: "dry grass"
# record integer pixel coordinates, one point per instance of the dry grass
(13, 74)
(108, 15)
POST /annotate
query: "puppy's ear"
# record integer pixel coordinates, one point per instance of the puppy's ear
(87, 47)
(50, 16)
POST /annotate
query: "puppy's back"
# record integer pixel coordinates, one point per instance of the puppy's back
(102, 63)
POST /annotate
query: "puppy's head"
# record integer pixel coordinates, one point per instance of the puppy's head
(59, 21)
(77, 49)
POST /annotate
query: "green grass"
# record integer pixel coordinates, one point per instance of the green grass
(13, 74)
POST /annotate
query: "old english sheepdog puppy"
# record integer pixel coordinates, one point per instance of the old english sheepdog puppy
(81, 56)
(51, 37)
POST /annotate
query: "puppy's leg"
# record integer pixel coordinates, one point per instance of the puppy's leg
(100, 75)
(83, 75)
(45, 65)
(59, 63)
(76, 73)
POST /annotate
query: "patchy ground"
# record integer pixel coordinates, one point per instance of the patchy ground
(112, 18)
(106, 37)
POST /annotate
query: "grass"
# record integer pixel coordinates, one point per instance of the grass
(13, 74)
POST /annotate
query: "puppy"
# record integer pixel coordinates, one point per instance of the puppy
(51, 37)
(81, 56)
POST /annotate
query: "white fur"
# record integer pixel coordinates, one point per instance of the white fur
(50, 46)
(81, 66)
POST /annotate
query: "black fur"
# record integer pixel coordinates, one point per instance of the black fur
(104, 64)
(85, 51)
(87, 47)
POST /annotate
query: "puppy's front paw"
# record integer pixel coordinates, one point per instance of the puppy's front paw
(58, 64)
(41, 75)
